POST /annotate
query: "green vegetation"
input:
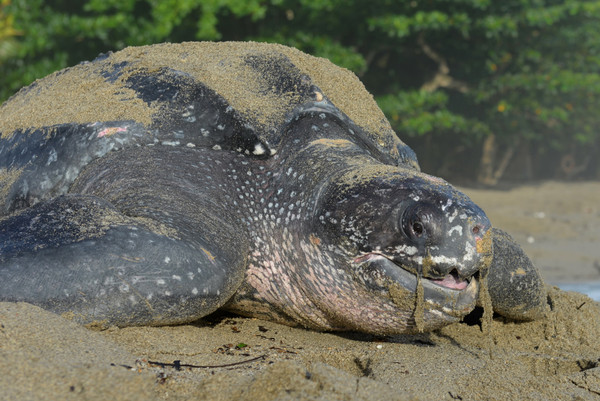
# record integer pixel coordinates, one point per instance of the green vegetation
(481, 89)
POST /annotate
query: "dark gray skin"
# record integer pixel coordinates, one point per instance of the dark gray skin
(313, 224)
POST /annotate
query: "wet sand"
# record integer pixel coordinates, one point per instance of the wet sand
(47, 357)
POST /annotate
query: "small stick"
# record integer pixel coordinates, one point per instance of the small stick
(178, 365)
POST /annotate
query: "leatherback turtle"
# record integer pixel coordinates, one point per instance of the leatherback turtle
(157, 184)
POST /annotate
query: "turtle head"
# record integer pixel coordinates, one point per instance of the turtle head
(413, 245)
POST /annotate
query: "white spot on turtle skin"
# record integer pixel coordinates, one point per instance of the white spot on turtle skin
(216, 147)
(170, 143)
(190, 145)
(167, 293)
(220, 127)
(160, 281)
(167, 259)
(176, 277)
(438, 313)
(52, 157)
(258, 149)
(195, 291)
(273, 151)
(414, 197)
(132, 299)
(447, 205)
(407, 250)
(444, 259)
(457, 229)
(470, 252)
(453, 216)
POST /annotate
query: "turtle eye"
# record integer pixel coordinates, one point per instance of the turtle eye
(421, 222)
(418, 229)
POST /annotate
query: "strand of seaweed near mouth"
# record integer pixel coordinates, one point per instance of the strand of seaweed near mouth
(178, 365)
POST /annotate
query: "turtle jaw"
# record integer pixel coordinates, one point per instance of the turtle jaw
(451, 295)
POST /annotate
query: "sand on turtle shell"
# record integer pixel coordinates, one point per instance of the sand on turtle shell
(556, 358)
(88, 93)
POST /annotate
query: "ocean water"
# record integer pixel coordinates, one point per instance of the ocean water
(590, 289)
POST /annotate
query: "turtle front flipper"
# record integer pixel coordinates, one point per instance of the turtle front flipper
(515, 285)
(79, 256)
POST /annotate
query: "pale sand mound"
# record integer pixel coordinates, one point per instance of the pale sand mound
(46, 356)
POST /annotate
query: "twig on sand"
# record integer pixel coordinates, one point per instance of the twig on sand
(178, 365)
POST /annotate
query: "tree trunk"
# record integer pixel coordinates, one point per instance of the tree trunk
(489, 173)
(486, 165)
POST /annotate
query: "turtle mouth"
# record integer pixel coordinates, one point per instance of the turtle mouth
(452, 281)
(454, 295)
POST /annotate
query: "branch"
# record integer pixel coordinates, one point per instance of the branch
(442, 77)
(178, 365)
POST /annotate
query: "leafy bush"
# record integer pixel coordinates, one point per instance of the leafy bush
(471, 84)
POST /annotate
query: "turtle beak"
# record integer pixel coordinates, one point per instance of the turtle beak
(451, 294)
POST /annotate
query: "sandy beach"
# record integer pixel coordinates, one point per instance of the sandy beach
(224, 357)
(556, 223)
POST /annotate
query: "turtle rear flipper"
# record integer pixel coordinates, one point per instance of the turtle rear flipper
(515, 285)
(77, 255)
